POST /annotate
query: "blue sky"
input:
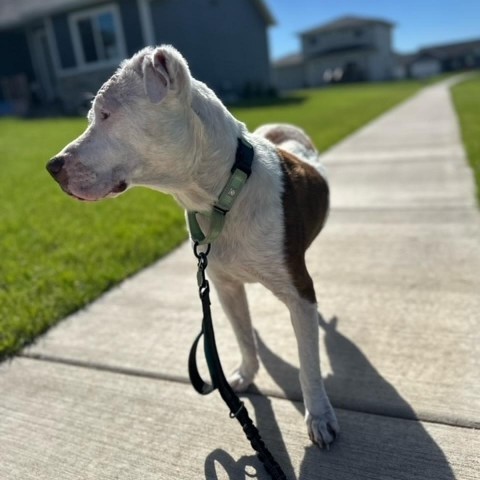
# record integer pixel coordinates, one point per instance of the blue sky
(418, 22)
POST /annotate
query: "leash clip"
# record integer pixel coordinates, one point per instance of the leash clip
(202, 266)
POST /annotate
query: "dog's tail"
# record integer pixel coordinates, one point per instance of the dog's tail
(294, 140)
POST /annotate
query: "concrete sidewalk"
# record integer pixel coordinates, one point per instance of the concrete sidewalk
(105, 395)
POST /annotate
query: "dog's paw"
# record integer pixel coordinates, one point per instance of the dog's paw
(239, 380)
(322, 429)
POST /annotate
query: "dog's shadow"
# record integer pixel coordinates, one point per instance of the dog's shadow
(374, 444)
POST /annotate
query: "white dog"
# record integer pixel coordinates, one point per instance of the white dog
(152, 124)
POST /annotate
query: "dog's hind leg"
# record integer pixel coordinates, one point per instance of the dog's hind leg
(233, 298)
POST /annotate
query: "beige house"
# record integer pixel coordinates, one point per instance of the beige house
(348, 49)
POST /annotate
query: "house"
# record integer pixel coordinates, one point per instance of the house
(58, 50)
(347, 49)
(289, 72)
(425, 65)
(455, 56)
(401, 67)
(435, 59)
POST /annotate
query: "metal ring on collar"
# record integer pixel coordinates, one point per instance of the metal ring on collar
(199, 254)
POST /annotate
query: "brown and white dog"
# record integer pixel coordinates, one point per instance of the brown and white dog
(152, 124)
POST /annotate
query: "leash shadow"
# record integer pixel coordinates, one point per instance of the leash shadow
(219, 460)
(249, 466)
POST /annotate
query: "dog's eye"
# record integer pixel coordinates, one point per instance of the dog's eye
(104, 115)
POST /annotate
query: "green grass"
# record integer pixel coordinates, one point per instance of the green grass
(466, 97)
(59, 254)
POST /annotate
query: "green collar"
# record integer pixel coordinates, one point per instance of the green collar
(241, 170)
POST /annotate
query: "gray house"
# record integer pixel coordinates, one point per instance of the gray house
(347, 49)
(60, 49)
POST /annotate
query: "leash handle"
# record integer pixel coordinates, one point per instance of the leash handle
(202, 387)
(236, 406)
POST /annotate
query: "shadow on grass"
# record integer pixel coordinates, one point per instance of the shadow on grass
(384, 441)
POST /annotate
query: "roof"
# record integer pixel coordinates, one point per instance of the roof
(265, 12)
(438, 52)
(343, 49)
(451, 49)
(349, 21)
(16, 12)
(405, 58)
(425, 56)
(291, 60)
(295, 59)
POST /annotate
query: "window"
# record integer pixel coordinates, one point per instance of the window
(97, 36)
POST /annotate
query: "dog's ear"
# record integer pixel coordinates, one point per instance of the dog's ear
(165, 71)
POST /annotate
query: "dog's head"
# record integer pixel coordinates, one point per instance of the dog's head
(141, 130)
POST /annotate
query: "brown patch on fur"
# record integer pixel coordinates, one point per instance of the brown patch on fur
(305, 202)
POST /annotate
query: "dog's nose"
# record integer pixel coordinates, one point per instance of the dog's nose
(55, 165)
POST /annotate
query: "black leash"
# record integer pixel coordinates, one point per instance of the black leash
(236, 406)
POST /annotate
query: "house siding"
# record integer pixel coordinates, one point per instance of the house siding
(224, 43)
(63, 41)
(132, 27)
(290, 77)
(72, 88)
(315, 68)
(425, 67)
(316, 43)
(381, 64)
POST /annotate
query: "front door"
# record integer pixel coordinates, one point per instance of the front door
(43, 65)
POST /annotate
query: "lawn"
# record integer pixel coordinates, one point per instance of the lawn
(466, 97)
(59, 254)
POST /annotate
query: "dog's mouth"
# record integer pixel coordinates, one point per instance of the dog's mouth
(73, 195)
(117, 188)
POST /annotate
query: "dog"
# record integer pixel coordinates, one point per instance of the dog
(152, 124)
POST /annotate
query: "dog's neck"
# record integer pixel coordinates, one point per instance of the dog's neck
(216, 132)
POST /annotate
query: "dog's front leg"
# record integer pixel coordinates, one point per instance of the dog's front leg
(233, 298)
(319, 415)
